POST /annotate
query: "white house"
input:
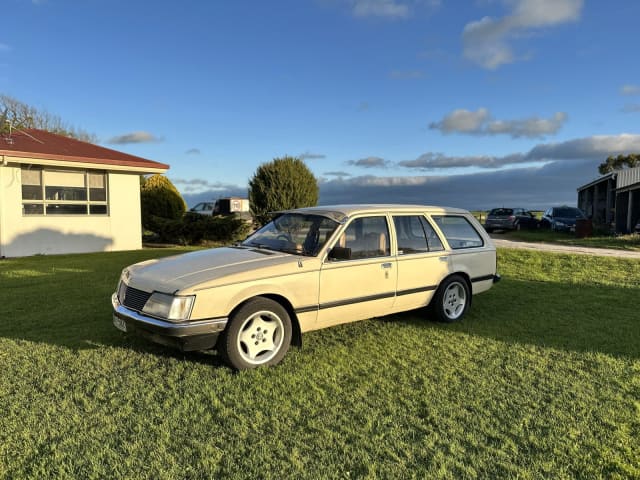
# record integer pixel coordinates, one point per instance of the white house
(61, 195)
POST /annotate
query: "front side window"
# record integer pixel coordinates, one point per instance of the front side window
(366, 237)
(63, 192)
(458, 231)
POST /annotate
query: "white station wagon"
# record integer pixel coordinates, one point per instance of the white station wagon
(307, 269)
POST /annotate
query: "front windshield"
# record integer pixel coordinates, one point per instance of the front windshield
(302, 234)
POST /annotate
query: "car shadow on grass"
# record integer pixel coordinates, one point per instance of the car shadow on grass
(579, 318)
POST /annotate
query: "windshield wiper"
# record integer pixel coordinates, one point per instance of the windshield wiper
(263, 246)
(297, 251)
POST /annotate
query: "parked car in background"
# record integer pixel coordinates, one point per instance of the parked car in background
(510, 219)
(223, 206)
(308, 269)
(562, 219)
(637, 228)
(203, 208)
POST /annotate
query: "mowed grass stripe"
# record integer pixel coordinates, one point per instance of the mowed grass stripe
(541, 379)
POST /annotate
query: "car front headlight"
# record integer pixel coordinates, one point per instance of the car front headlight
(561, 224)
(171, 307)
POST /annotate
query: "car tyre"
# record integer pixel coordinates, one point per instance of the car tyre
(518, 227)
(452, 299)
(258, 334)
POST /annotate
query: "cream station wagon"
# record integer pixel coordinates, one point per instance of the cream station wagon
(307, 269)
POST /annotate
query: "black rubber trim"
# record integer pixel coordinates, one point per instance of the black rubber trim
(313, 308)
(416, 290)
(482, 279)
(342, 303)
(350, 301)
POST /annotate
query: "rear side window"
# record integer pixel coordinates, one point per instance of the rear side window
(415, 235)
(458, 231)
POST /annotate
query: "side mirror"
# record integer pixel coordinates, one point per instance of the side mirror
(340, 253)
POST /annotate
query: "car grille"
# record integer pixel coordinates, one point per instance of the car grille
(133, 298)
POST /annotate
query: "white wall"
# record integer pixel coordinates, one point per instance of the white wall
(30, 235)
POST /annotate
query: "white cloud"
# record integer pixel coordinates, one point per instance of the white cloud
(533, 187)
(597, 147)
(462, 121)
(487, 41)
(380, 8)
(4, 47)
(369, 162)
(439, 161)
(212, 189)
(311, 156)
(630, 90)
(337, 174)
(193, 151)
(480, 122)
(134, 137)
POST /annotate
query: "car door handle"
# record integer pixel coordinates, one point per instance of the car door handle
(386, 265)
(444, 259)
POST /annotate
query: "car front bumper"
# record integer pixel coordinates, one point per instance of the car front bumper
(185, 336)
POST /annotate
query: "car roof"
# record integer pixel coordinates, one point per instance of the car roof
(342, 212)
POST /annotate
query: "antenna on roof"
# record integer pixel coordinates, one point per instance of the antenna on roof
(8, 138)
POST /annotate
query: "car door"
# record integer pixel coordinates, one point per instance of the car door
(422, 261)
(362, 283)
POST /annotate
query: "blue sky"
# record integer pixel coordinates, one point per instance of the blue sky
(473, 104)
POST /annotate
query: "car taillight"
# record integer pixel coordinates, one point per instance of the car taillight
(512, 217)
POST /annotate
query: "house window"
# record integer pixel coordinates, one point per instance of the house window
(63, 192)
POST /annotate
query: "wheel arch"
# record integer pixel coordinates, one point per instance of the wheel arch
(296, 334)
(467, 280)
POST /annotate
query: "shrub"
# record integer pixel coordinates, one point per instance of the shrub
(159, 198)
(282, 184)
(194, 229)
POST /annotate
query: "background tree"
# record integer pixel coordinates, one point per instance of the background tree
(15, 114)
(281, 184)
(617, 163)
(160, 198)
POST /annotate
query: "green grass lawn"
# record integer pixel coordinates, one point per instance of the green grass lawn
(541, 380)
(623, 242)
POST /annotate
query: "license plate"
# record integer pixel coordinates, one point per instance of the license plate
(119, 324)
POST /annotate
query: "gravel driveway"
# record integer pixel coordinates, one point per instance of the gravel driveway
(550, 247)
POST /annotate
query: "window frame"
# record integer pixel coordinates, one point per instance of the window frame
(434, 218)
(43, 204)
(389, 238)
(424, 222)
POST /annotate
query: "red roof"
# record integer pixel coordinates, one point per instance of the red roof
(32, 143)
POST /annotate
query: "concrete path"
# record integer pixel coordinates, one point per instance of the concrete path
(550, 247)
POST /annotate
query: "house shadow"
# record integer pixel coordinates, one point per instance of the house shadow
(47, 241)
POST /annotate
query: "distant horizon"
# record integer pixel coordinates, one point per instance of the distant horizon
(471, 103)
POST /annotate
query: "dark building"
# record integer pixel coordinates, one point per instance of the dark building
(613, 200)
